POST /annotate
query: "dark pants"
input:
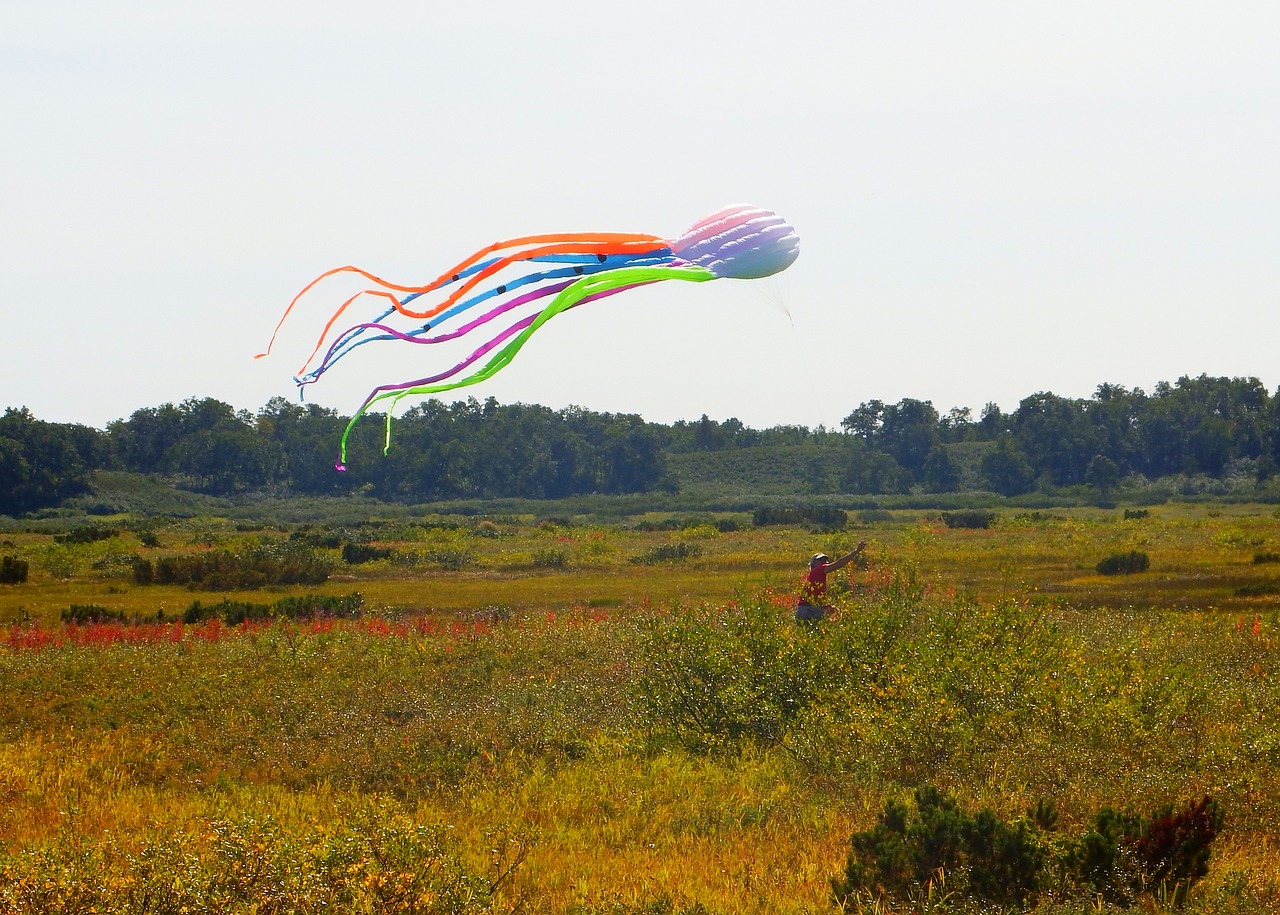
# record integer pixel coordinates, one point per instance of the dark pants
(808, 613)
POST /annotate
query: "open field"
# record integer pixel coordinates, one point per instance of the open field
(584, 718)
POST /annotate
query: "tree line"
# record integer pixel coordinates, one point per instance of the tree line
(482, 449)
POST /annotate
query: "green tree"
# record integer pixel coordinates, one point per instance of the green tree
(906, 431)
(306, 437)
(869, 471)
(40, 464)
(1200, 425)
(1102, 474)
(940, 473)
(1055, 436)
(1006, 470)
(633, 460)
(909, 431)
(864, 422)
(142, 441)
(993, 423)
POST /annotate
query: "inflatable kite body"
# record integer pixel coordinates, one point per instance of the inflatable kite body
(738, 242)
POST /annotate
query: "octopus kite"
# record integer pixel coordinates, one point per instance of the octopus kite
(737, 242)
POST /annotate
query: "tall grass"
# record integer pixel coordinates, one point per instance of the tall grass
(566, 746)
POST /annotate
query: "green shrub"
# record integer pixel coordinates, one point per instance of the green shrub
(1129, 563)
(91, 613)
(1121, 858)
(269, 563)
(13, 571)
(978, 855)
(1006, 860)
(231, 612)
(451, 559)
(888, 688)
(551, 558)
(323, 539)
(89, 534)
(358, 553)
(367, 858)
(666, 524)
(972, 519)
(305, 607)
(1261, 558)
(1124, 856)
(144, 572)
(1258, 589)
(668, 552)
(822, 516)
(309, 606)
(712, 677)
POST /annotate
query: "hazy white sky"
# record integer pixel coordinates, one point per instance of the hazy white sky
(993, 198)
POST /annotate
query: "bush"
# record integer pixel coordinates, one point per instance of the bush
(723, 525)
(1261, 558)
(309, 606)
(358, 553)
(266, 564)
(236, 612)
(711, 678)
(1124, 856)
(822, 516)
(551, 559)
(972, 519)
(144, 573)
(990, 859)
(13, 571)
(1124, 563)
(668, 552)
(90, 534)
(327, 540)
(1258, 589)
(890, 688)
(365, 858)
(1121, 857)
(1173, 850)
(91, 613)
(451, 559)
(231, 612)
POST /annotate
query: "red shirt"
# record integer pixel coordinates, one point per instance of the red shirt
(814, 591)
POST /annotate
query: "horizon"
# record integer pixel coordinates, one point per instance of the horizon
(829, 427)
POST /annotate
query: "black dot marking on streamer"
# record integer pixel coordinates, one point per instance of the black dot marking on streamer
(455, 278)
(578, 270)
(602, 257)
(502, 289)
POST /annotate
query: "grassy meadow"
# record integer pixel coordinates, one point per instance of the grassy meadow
(573, 716)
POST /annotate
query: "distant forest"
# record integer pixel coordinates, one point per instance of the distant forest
(1210, 427)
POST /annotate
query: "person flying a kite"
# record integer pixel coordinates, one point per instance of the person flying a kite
(813, 594)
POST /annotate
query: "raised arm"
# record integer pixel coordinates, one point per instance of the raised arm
(847, 558)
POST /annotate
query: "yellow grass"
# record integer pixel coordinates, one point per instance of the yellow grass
(609, 822)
